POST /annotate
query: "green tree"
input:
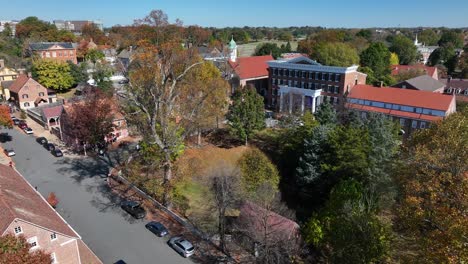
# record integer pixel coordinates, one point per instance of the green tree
(365, 33)
(53, 74)
(78, 72)
(335, 54)
(428, 37)
(326, 114)
(246, 113)
(405, 49)
(256, 169)
(446, 56)
(434, 183)
(101, 75)
(451, 37)
(94, 55)
(377, 57)
(268, 49)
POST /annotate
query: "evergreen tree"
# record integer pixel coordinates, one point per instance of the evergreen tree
(377, 57)
(326, 114)
(246, 113)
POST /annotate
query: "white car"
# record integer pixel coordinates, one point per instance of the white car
(10, 152)
(28, 130)
(182, 246)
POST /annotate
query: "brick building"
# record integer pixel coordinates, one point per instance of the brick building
(415, 68)
(413, 109)
(300, 84)
(27, 93)
(60, 51)
(23, 211)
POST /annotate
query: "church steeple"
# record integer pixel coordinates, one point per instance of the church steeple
(232, 49)
(416, 43)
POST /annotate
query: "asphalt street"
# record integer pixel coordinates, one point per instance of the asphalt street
(87, 204)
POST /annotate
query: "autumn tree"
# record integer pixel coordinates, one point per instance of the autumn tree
(256, 169)
(157, 78)
(394, 60)
(246, 113)
(15, 249)
(5, 118)
(208, 102)
(335, 54)
(91, 31)
(53, 74)
(90, 120)
(33, 27)
(434, 183)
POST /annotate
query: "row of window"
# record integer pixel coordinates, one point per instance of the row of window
(404, 108)
(414, 123)
(32, 241)
(26, 96)
(324, 76)
(305, 85)
(53, 54)
(2, 78)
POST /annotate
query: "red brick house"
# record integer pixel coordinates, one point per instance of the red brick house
(60, 51)
(23, 211)
(27, 93)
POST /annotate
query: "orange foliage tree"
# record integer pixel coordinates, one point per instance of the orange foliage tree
(15, 249)
(5, 119)
(434, 184)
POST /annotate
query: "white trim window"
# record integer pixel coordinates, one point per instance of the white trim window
(33, 243)
(53, 236)
(18, 230)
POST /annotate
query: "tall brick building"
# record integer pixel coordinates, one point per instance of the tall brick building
(300, 84)
(23, 211)
(60, 51)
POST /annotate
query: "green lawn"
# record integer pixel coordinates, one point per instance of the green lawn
(248, 49)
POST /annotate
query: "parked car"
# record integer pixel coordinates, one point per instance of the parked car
(57, 153)
(49, 146)
(157, 228)
(182, 246)
(15, 120)
(10, 152)
(28, 130)
(4, 137)
(42, 140)
(22, 124)
(134, 209)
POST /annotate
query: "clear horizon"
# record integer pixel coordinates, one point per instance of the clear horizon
(209, 13)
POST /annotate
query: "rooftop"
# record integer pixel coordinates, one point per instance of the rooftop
(425, 83)
(399, 96)
(48, 45)
(397, 69)
(251, 67)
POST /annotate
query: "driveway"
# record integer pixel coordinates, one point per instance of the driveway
(87, 204)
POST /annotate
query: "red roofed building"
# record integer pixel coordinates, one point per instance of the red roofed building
(412, 108)
(251, 71)
(401, 69)
(23, 211)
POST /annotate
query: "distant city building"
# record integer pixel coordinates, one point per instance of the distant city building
(76, 26)
(300, 84)
(64, 25)
(413, 109)
(424, 50)
(11, 23)
(60, 51)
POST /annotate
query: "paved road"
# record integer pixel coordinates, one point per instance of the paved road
(87, 205)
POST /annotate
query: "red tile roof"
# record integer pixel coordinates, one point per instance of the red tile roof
(19, 200)
(400, 96)
(19, 83)
(251, 67)
(396, 69)
(253, 216)
(53, 111)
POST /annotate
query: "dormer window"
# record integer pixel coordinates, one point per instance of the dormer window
(41, 94)
(25, 96)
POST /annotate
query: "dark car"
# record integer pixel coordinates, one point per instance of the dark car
(157, 228)
(15, 120)
(134, 209)
(57, 153)
(49, 146)
(22, 124)
(42, 140)
(4, 137)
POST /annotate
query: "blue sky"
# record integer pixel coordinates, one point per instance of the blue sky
(280, 13)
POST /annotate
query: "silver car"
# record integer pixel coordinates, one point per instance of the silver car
(182, 246)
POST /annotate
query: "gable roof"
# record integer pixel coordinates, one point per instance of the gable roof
(400, 96)
(48, 45)
(397, 69)
(254, 215)
(251, 67)
(425, 82)
(19, 83)
(18, 200)
(456, 83)
(52, 111)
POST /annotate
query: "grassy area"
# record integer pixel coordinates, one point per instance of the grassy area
(248, 49)
(67, 95)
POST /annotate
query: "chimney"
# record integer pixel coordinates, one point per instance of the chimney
(2, 63)
(381, 84)
(449, 78)
(29, 74)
